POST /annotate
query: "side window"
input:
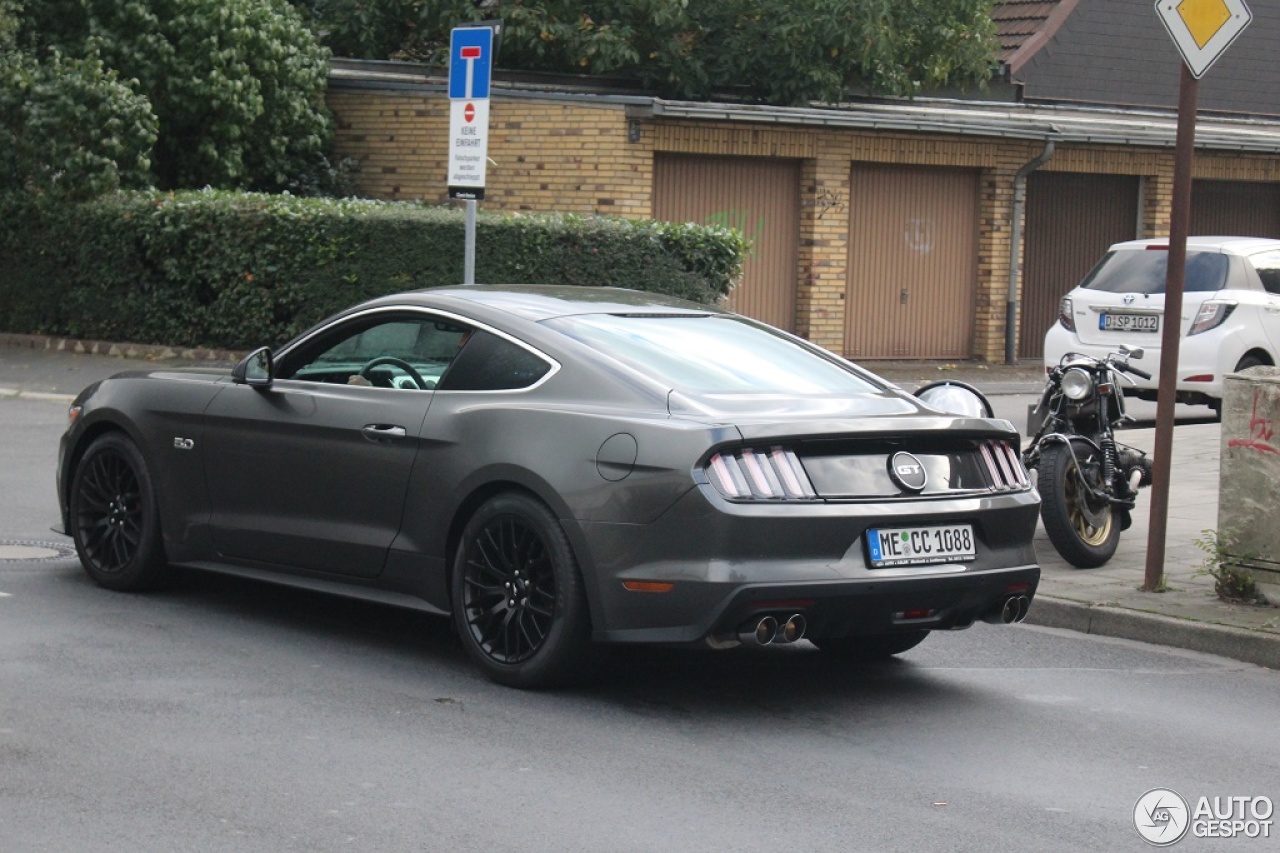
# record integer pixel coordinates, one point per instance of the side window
(403, 352)
(1268, 267)
(490, 363)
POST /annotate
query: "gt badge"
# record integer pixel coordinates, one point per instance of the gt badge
(907, 472)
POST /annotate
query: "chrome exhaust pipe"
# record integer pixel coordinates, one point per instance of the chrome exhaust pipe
(792, 629)
(1007, 612)
(1024, 605)
(761, 633)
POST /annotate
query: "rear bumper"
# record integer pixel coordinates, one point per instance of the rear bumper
(846, 608)
(726, 563)
(1208, 355)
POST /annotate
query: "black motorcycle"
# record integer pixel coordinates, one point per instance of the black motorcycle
(1088, 483)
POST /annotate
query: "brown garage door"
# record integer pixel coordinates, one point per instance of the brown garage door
(1235, 209)
(760, 197)
(1071, 220)
(912, 274)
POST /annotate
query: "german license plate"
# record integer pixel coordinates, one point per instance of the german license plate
(1109, 322)
(919, 546)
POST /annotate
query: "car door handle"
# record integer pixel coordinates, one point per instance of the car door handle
(383, 432)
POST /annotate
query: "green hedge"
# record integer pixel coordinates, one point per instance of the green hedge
(221, 269)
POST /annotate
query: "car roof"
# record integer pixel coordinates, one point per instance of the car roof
(536, 302)
(1226, 245)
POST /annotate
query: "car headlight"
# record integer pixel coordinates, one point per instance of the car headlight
(772, 473)
(1210, 316)
(1077, 384)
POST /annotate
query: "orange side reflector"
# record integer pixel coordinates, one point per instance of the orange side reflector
(647, 586)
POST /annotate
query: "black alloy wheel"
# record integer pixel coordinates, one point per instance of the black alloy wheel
(518, 600)
(114, 518)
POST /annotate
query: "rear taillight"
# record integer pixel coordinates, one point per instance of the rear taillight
(773, 473)
(1210, 316)
(1004, 468)
(1065, 317)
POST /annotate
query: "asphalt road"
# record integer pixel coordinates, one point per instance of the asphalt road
(221, 714)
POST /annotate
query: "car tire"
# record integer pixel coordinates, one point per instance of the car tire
(115, 517)
(1244, 363)
(870, 648)
(1085, 537)
(518, 600)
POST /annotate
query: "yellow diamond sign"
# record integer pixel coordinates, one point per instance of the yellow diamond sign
(1203, 29)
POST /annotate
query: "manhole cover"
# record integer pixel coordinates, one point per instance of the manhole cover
(28, 551)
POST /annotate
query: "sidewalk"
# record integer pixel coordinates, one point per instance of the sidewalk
(1106, 601)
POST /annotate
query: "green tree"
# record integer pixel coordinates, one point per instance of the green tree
(776, 51)
(237, 85)
(69, 128)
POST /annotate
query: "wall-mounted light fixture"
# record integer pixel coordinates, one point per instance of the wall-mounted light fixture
(633, 130)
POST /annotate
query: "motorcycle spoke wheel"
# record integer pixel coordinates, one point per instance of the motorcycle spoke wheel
(1093, 528)
(1085, 537)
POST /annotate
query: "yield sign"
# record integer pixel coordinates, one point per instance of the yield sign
(1203, 29)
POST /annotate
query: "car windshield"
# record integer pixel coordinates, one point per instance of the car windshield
(1144, 270)
(712, 353)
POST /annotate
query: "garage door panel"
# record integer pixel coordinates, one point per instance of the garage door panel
(912, 271)
(760, 197)
(1235, 209)
(1071, 220)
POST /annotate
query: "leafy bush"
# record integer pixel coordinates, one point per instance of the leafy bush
(222, 269)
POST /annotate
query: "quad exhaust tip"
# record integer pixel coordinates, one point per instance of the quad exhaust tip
(767, 629)
(1011, 611)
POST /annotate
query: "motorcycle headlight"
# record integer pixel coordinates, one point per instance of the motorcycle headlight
(1076, 384)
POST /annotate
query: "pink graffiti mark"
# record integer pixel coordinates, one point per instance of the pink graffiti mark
(1260, 432)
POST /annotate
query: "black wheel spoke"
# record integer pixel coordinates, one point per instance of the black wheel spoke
(109, 511)
(508, 589)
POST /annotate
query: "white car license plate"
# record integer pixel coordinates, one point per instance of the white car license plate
(918, 546)
(1110, 322)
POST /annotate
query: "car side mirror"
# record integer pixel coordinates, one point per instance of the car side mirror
(256, 369)
(955, 398)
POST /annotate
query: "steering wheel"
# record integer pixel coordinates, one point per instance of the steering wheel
(395, 362)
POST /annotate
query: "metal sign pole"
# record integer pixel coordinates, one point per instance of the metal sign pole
(469, 262)
(1171, 335)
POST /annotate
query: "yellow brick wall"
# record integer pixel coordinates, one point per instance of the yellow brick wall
(577, 156)
(546, 155)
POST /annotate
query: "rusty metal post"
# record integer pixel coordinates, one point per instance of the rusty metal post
(1171, 334)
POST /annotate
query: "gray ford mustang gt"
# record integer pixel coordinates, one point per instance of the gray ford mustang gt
(560, 469)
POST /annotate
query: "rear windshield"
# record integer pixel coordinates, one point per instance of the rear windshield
(1143, 271)
(711, 353)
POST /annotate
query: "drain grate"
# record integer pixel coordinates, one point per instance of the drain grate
(12, 550)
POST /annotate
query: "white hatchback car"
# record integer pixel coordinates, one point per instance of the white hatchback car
(1230, 311)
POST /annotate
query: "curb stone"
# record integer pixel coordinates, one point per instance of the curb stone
(1255, 647)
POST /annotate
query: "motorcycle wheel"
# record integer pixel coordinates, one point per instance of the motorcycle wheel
(1086, 536)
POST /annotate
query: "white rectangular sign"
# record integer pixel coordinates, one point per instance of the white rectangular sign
(468, 147)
